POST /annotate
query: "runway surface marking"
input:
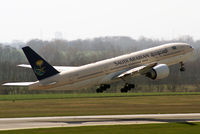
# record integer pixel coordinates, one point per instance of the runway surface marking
(75, 121)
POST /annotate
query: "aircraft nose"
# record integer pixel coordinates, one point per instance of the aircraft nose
(189, 47)
(192, 49)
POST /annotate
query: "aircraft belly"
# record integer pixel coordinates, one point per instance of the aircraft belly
(80, 85)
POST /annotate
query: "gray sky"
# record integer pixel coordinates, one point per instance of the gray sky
(158, 19)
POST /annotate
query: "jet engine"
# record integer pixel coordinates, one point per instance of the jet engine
(158, 72)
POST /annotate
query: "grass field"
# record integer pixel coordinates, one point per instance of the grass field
(98, 104)
(168, 128)
(89, 95)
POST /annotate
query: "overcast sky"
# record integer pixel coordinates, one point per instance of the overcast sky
(73, 19)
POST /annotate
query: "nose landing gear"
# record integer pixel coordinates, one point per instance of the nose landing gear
(182, 69)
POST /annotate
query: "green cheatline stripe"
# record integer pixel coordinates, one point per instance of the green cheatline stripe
(88, 95)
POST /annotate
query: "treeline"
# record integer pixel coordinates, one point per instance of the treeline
(80, 52)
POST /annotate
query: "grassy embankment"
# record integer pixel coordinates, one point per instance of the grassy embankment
(97, 104)
(169, 128)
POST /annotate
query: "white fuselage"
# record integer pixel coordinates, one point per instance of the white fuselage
(102, 72)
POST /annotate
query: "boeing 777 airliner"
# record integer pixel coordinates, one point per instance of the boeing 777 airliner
(152, 63)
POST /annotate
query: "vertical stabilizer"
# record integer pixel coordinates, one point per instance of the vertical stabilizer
(41, 68)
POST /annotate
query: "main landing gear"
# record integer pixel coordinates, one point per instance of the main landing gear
(102, 88)
(182, 69)
(127, 88)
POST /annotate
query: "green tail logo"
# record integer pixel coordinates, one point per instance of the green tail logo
(39, 69)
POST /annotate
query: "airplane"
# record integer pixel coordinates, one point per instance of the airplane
(152, 63)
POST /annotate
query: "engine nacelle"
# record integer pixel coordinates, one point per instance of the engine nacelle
(158, 72)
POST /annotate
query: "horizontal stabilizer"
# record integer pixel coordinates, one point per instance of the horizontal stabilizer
(59, 68)
(18, 84)
(24, 65)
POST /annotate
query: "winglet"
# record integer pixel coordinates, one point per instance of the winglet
(41, 68)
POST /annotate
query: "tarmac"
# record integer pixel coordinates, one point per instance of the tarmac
(96, 120)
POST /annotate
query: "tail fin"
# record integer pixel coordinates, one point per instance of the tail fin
(41, 68)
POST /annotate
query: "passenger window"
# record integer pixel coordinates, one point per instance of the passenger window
(174, 47)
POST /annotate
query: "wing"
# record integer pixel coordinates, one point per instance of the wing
(59, 68)
(18, 84)
(141, 70)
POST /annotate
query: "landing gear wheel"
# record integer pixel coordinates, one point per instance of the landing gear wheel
(182, 69)
(102, 88)
(99, 90)
(127, 88)
(124, 90)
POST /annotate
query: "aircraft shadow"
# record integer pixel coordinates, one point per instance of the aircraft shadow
(182, 121)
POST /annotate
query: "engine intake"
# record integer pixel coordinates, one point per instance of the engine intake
(158, 72)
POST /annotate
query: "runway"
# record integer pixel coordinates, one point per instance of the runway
(75, 121)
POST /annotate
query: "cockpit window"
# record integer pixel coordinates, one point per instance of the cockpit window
(174, 47)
